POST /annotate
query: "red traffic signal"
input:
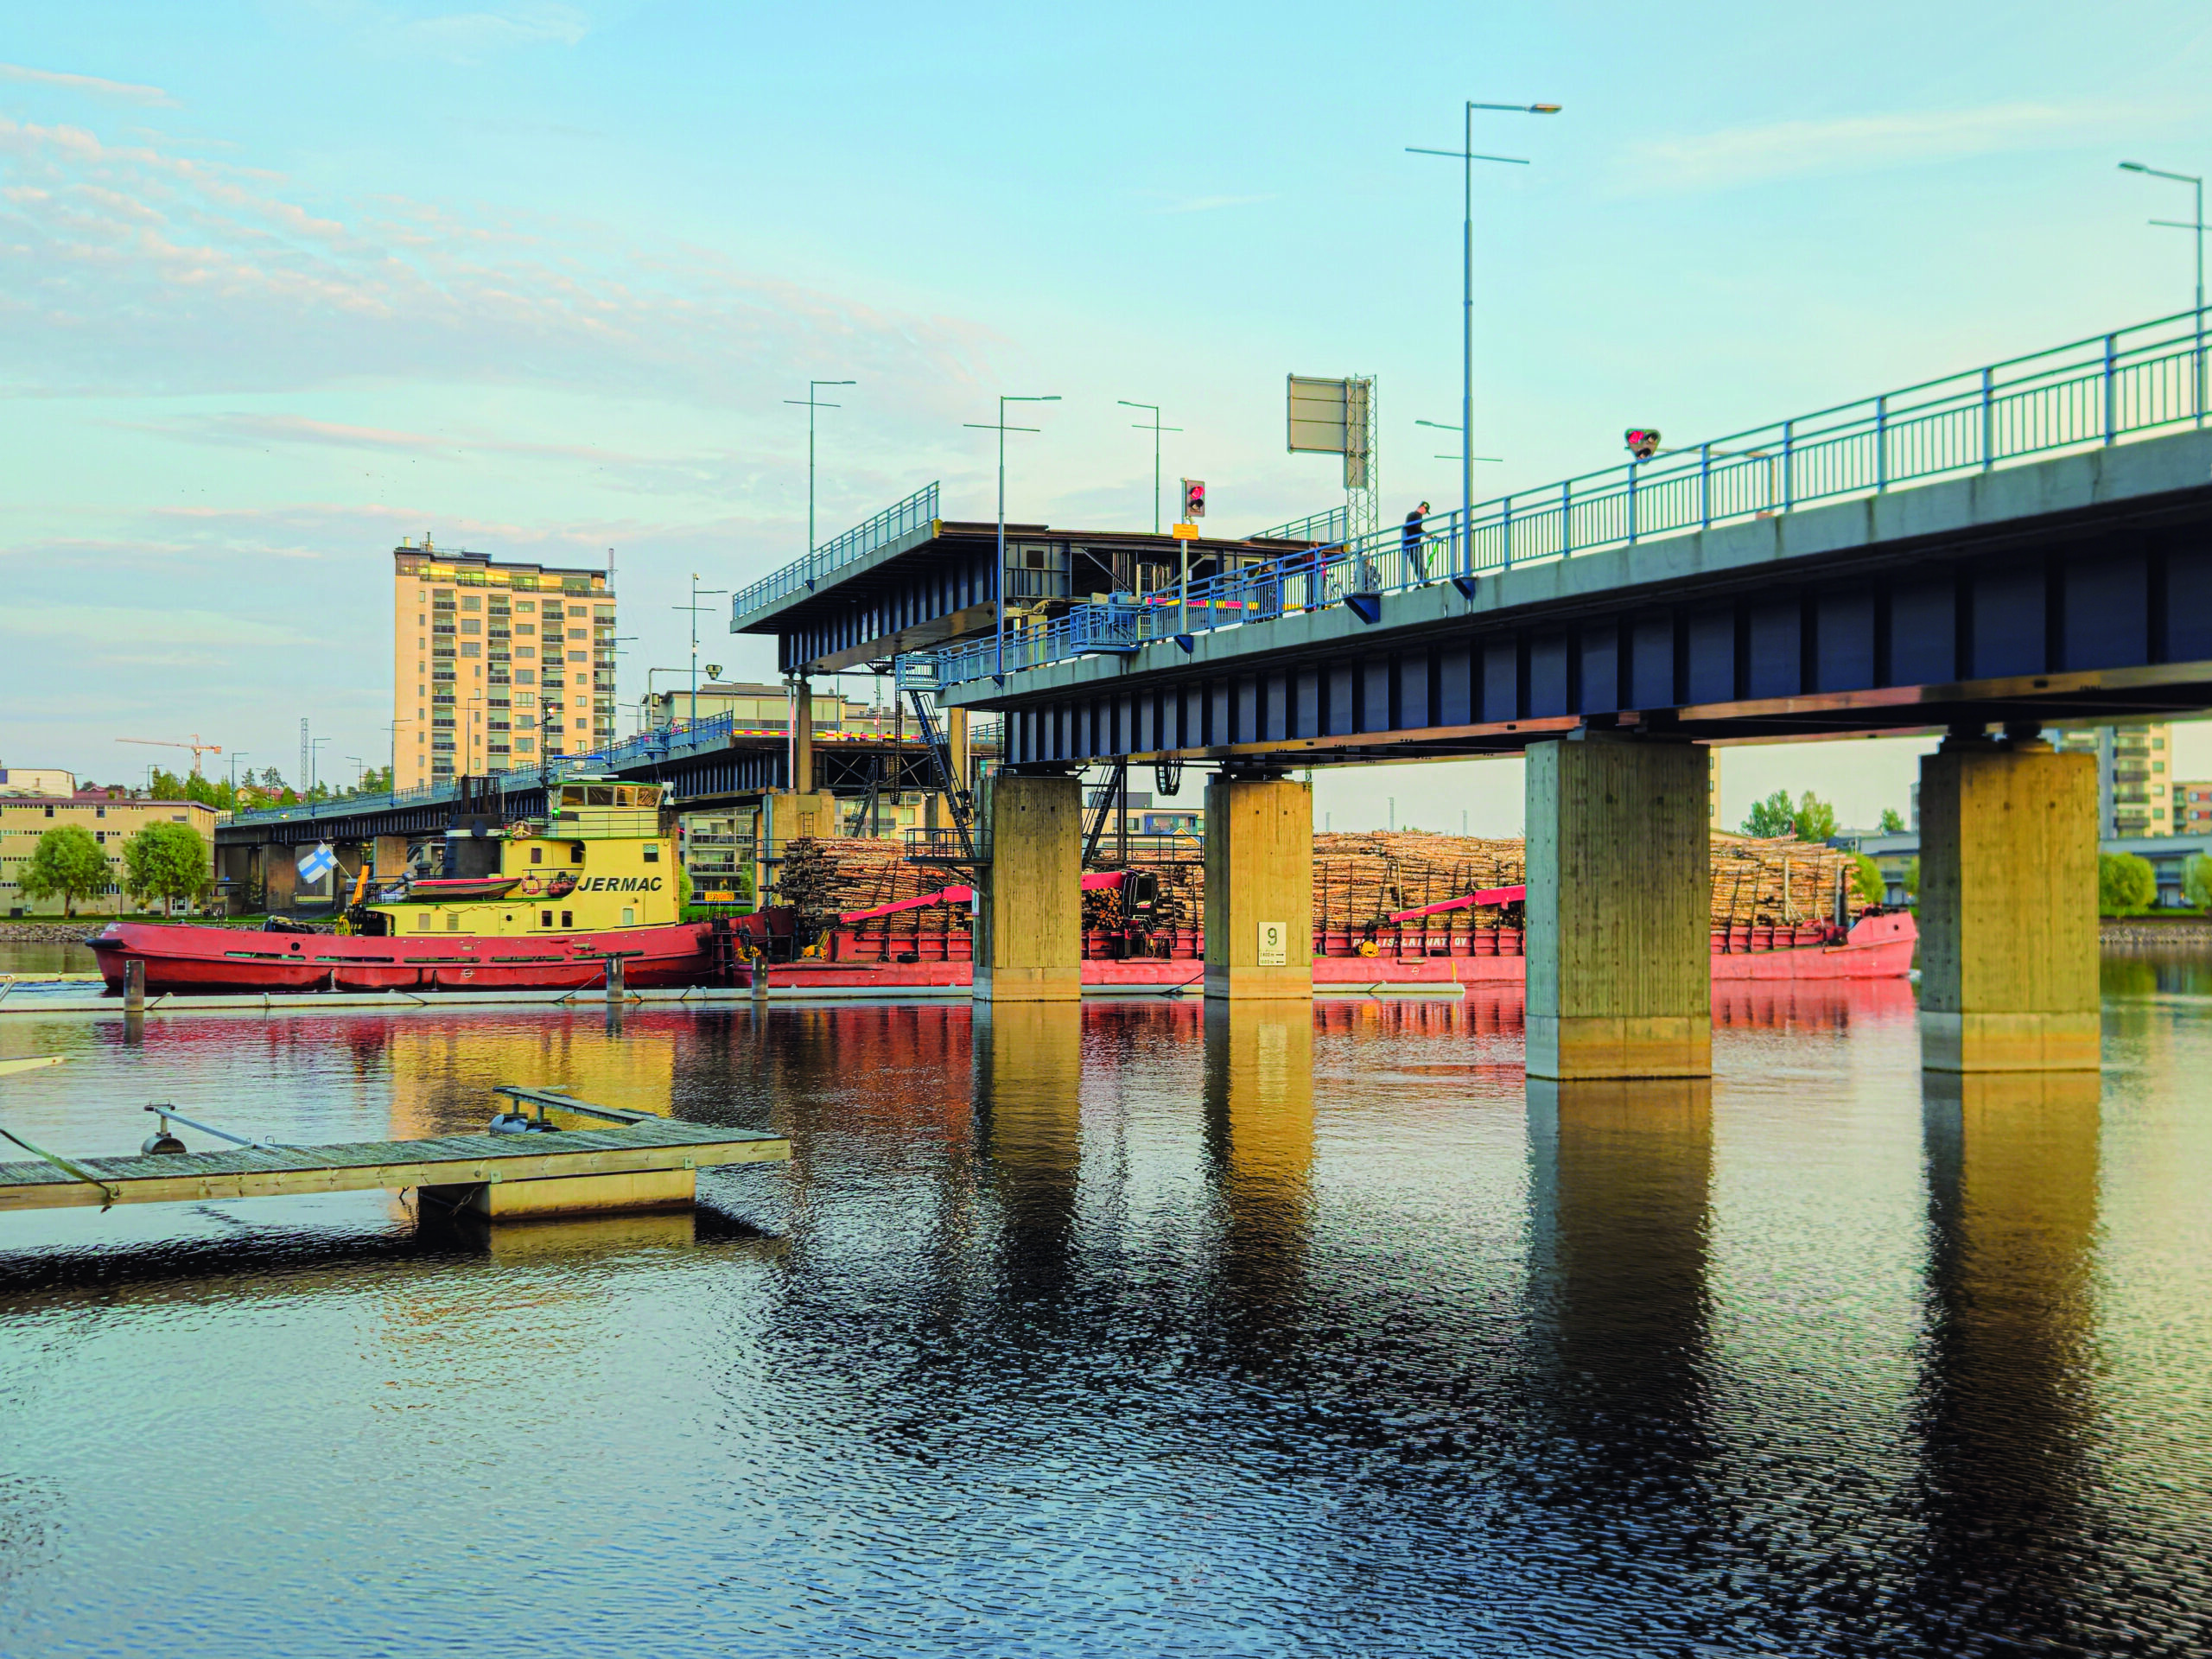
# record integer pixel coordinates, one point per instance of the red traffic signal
(1194, 498)
(1643, 441)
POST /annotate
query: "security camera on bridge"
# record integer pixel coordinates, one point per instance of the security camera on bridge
(1643, 441)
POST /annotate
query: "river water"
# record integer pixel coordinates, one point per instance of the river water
(1134, 1329)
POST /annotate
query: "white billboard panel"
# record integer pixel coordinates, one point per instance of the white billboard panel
(1317, 414)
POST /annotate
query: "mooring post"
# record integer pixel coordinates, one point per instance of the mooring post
(134, 985)
(615, 994)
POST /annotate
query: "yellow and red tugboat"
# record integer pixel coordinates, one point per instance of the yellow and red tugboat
(528, 904)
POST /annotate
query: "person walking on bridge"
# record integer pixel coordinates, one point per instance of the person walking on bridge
(1412, 543)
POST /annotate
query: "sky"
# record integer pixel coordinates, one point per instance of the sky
(282, 283)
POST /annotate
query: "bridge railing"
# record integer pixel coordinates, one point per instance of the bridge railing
(2128, 383)
(899, 519)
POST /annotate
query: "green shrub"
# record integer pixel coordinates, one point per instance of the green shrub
(1866, 879)
(2197, 880)
(2126, 884)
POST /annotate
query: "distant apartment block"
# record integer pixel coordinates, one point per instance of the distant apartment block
(2193, 808)
(108, 816)
(2135, 782)
(495, 665)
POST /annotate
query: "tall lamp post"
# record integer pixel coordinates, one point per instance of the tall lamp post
(238, 755)
(2195, 224)
(694, 608)
(998, 570)
(1465, 154)
(1156, 428)
(811, 404)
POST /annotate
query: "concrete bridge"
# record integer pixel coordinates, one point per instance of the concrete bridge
(2027, 543)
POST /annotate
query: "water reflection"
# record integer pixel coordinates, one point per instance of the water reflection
(1029, 1118)
(1621, 1180)
(2006, 1404)
(1141, 1328)
(1259, 1141)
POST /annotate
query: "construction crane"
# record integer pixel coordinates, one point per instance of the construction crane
(197, 747)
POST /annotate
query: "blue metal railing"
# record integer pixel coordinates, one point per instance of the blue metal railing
(660, 744)
(900, 519)
(1333, 526)
(2130, 383)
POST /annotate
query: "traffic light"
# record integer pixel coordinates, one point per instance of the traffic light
(1643, 441)
(1194, 498)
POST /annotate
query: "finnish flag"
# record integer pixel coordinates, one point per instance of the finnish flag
(317, 862)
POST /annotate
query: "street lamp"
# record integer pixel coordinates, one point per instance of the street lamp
(1466, 157)
(238, 755)
(2196, 183)
(811, 404)
(360, 769)
(1156, 428)
(694, 608)
(314, 760)
(1441, 427)
(998, 571)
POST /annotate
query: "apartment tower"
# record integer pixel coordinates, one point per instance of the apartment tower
(495, 666)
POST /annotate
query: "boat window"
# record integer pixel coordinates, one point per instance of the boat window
(545, 919)
(626, 797)
(629, 916)
(572, 796)
(652, 852)
(575, 852)
(599, 795)
(453, 921)
(566, 920)
(649, 797)
(421, 921)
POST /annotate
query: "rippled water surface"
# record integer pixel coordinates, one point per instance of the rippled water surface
(1136, 1329)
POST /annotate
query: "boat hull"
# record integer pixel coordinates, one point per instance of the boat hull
(204, 959)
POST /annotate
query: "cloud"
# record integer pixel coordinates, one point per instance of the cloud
(1738, 156)
(470, 34)
(130, 268)
(124, 91)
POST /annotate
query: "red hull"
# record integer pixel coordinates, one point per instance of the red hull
(202, 959)
(1878, 947)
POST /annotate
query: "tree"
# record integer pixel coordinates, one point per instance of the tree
(1815, 818)
(1867, 878)
(166, 862)
(66, 861)
(2197, 880)
(2126, 884)
(1774, 816)
(1892, 820)
(1912, 881)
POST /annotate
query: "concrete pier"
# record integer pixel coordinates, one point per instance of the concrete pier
(786, 815)
(1259, 906)
(2008, 907)
(1028, 936)
(1619, 939)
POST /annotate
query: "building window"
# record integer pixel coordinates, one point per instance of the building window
(471, 648)
(471, 602)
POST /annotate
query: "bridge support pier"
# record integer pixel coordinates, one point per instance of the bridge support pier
(1028, 939)
(1259, 915)
(1620, 912)
(2008, 907)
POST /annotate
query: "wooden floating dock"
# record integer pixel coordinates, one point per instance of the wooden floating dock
(649, 1163)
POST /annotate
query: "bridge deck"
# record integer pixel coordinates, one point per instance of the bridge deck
(654, 1145)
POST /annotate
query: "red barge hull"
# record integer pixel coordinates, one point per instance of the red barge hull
(216, 959)
(209, 959)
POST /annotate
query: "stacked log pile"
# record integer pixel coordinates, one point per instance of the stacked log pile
(1358, 879)
(1773, 881)
(826, 878)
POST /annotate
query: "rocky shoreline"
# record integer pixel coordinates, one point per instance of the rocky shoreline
(2130, 931)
